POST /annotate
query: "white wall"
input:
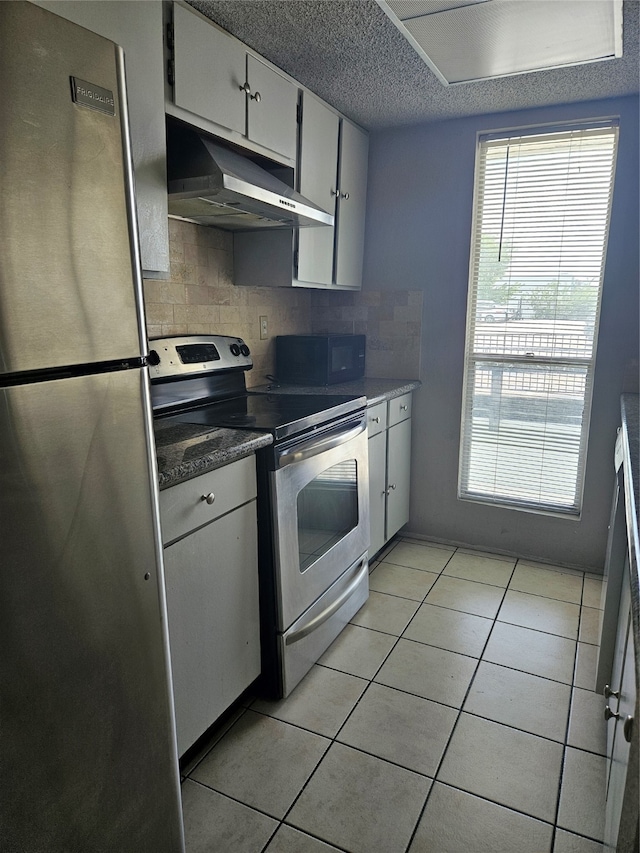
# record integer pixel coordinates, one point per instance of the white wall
(418, 236)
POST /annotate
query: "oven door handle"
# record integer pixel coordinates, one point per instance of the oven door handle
(314, 446)
(328, 612)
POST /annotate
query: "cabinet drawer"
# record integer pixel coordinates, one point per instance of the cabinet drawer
(399, 409)
(183, 507)
(377, 418)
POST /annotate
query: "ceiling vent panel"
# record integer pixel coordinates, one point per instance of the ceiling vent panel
(467, 41)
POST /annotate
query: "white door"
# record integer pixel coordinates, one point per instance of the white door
(318, 182)
(354, 153)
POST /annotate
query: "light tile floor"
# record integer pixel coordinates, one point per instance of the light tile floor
(454, 715)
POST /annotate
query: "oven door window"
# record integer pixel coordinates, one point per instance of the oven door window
(327, 511)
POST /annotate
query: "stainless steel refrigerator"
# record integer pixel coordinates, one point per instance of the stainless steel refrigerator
(88, 758)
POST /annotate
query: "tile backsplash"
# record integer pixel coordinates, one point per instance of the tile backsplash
(200, 297)
(391, 320)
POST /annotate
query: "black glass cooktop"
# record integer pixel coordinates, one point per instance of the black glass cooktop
(282, 415)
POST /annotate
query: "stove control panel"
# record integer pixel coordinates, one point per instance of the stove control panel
(180, 356)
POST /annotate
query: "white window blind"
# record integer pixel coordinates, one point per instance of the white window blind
(541, 216)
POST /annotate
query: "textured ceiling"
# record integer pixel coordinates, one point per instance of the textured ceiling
(350, 54)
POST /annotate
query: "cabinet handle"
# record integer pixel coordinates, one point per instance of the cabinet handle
(610, 715)
(336, 193)
(210, 498)
(608, 692)
(375, 420)
(246, 88)
(392, 488)
(404, 407)
(344, 196)
(628, 729)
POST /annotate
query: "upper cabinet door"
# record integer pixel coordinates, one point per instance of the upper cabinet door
(138, 28)
(354, 154)
(272, 105)
(318, 167)
(209, 69)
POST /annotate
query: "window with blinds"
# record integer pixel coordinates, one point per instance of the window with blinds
(541, 215)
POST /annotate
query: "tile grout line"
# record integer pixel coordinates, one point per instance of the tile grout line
(371, 680)
(568, 724)
(333, 739)
(343, 724)
(458, 716)
(351, 712)
(566, 745)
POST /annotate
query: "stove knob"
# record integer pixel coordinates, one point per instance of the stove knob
(244, 349)
(235, 349)
(153, 358)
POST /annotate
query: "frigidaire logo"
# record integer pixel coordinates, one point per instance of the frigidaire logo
(95, 97)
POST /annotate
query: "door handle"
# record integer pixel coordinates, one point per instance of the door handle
(313, 447)
(328, 612)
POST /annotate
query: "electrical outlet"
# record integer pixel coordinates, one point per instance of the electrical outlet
(263, 328)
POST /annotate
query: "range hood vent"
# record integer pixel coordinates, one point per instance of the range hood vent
(213, 185)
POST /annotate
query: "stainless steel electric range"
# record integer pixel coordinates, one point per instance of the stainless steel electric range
(313, 510)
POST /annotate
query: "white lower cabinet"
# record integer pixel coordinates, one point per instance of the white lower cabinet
(620, 704)
(389, 468)
(617, 662)
(211, 577)
(398, 476)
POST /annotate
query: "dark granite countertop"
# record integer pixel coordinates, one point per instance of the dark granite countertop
(375, 390)
(184, 450)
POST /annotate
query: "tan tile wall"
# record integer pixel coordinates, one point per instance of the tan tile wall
(391, 320)
(200, 297)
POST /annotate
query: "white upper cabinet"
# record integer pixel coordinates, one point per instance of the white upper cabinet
(333, 173)
(239, 97)
(138, 28)
(227, 90)
(318, 168)
(272, 103)
(209, 71)
(352, 200)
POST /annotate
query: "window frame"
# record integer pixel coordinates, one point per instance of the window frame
(473, 358)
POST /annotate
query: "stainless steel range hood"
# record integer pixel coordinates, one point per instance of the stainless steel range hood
(213, 185)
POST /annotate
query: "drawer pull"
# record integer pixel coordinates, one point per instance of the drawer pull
(375, 420)
(210, 498)
(610, 715)
(608, 692)
(628, 729)
(404, 407)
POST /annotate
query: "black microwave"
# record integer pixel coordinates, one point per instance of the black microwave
(319, 359)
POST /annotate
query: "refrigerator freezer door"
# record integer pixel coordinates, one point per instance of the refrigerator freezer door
(87, 751)
(68, 273)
